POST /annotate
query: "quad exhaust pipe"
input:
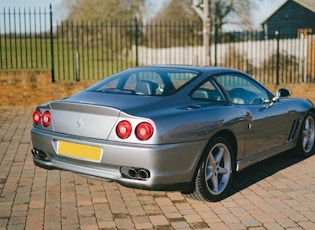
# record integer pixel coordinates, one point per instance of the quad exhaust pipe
(135, 173)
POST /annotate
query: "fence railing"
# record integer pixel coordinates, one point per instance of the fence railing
(92, 50)
(24, 38)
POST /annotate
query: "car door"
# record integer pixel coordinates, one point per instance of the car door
(265, 121)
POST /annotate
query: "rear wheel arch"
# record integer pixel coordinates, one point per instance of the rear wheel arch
(224, 139)
(230, 137)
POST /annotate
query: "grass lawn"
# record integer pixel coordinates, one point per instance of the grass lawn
(35, 53)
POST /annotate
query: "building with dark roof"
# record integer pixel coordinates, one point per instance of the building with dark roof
(293, 19)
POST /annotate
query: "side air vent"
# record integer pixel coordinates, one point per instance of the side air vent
(295, 125)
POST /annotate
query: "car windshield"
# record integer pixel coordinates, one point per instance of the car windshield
(146, 81)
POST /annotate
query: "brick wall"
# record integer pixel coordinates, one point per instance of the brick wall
(24, 87)
(64, 89)
(34, 87)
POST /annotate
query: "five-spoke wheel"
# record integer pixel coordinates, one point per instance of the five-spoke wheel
(215, 171)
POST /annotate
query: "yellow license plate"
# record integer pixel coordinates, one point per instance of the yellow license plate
(84, 152)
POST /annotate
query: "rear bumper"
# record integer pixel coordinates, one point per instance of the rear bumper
(157, 167)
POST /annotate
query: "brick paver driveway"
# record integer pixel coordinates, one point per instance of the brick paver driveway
(278, 193)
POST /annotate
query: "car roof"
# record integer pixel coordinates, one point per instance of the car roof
(204, 69)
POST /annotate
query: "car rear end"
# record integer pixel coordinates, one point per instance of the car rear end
(104, 142)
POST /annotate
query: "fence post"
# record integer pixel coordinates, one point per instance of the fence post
(215, 41)
(206, 32)
(77, 67)
(277, 33)
(136, 34)
(52, 46)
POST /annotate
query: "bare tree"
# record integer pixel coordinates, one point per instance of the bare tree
(176, 24)
(187, 22)
(91, 23)
(232, 12)
(176, 10)
(223, 12)
(106, 9)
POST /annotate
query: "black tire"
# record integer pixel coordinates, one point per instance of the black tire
(215, 171)
(305, 145)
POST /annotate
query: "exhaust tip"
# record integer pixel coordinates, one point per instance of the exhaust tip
(144, 174)
(135, 173)
(132, 173)
(40, 155)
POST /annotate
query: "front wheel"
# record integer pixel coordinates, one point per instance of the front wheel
(306, 141)
(215, 171)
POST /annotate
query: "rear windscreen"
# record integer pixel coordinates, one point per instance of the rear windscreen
(146, 81)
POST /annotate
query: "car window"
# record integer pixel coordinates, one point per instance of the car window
(146, 81)
(243, 90)
(208, 91)
(178, 79)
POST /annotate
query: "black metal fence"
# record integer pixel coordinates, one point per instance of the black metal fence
(92, 50)
(24, 38)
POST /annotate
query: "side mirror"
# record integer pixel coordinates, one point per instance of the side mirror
(283, 92)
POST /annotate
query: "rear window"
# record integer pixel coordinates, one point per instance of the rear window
(146, 81)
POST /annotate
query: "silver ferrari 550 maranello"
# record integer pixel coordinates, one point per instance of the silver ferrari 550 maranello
(185, 128)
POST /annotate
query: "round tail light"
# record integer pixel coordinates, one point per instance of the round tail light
(144, 131)
(37, 117)
(123, 129)
(46, 118)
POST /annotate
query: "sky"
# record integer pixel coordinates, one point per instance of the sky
(56, 5)
(28, 3)
(264, 9)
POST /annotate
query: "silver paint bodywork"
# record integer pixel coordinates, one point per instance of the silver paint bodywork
(182, 128)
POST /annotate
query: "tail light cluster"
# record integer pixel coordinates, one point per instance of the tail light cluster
(143, 131)
(44, 118)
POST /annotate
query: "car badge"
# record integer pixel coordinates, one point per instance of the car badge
(80, 122)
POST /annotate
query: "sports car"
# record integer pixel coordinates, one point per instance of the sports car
(171, 127)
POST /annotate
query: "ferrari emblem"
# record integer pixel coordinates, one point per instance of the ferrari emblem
(80, 122)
